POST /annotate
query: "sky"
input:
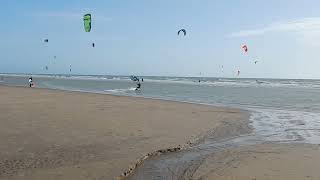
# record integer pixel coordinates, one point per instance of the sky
(140, 37)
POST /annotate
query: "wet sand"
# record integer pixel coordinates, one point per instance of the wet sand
(262, 162)
(50, 134)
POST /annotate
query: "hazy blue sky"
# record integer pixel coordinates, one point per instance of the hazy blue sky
(140, 37)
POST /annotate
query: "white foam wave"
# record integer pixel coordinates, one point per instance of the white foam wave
(285, 125)
(120, 90)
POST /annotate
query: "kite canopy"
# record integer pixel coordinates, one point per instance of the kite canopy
(87, 22)
(182, 30)
(93, 44)
(255, 62)
(134, 78)
(245, 48)
(46, 40)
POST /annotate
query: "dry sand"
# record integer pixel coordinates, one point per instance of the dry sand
(263, 162)
(48, 134)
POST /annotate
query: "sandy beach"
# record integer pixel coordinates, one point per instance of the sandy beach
(262, 162)
(51, 134)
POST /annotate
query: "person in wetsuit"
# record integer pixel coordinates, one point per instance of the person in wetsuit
(138, 86)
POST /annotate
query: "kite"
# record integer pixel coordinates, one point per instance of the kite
(134, 78)
(182, 30)
(87, 22)
(245, 48)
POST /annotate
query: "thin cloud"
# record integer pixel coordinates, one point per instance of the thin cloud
(306, 27)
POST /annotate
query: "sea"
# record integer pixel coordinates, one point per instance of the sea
(282, 110)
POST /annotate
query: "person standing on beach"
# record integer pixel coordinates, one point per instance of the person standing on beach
(30, 82)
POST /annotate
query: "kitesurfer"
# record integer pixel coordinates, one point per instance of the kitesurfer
(138, 86)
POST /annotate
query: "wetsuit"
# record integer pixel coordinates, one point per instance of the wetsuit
(138, 86)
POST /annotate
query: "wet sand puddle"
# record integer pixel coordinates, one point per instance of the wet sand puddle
(270, 126)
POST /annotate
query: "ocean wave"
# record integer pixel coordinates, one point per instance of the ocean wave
(241, 83)
(120, 90)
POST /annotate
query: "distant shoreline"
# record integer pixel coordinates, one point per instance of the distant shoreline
(146, 76)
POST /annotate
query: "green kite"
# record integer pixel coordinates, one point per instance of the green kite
(87, 22)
